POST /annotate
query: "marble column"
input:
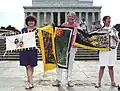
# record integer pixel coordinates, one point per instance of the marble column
(38, 19)
(65, 16)
(80, 17)
(52, 17)
(86, 19)
(31, 13)
(93, 16)
(59, 19)
(45, 18)
(99, 16)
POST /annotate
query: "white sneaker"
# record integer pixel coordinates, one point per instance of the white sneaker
(56, 83)
(70, 84)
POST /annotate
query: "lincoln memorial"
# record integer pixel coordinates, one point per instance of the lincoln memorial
(55, 11)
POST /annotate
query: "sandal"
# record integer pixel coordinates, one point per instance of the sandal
(113, 84)
(98, 86)
(29, 86)
(118, 87)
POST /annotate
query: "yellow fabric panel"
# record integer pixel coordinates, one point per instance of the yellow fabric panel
(49, 29)
(89, 47)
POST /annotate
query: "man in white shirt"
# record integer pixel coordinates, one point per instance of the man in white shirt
(108, 58)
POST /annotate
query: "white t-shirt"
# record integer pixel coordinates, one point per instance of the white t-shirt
(108, 58)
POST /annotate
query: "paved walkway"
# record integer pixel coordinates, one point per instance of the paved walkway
(13, 77)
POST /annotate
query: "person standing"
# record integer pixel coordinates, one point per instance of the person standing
(71, 22)
(108, 58)
(84, 26)
(28, 58)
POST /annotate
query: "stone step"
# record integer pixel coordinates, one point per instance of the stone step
(82, 50)
(90, 58)
(79, 49)
(14, 57)
(39, 59)
(77, 53)
(2, 44)
(39, 55)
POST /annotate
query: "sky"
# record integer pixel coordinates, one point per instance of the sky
(12, 12)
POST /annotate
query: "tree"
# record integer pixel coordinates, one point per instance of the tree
(2, 27)
(9, 27)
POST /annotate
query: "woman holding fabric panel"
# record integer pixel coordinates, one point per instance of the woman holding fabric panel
(71, 22)
(28, 58)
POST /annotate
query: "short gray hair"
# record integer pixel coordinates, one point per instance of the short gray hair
(71, 13)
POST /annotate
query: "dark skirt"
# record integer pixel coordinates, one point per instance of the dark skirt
(28, 57)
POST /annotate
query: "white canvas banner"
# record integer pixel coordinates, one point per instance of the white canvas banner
(20, 41)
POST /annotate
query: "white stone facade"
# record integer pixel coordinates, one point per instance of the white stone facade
(55, 11)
